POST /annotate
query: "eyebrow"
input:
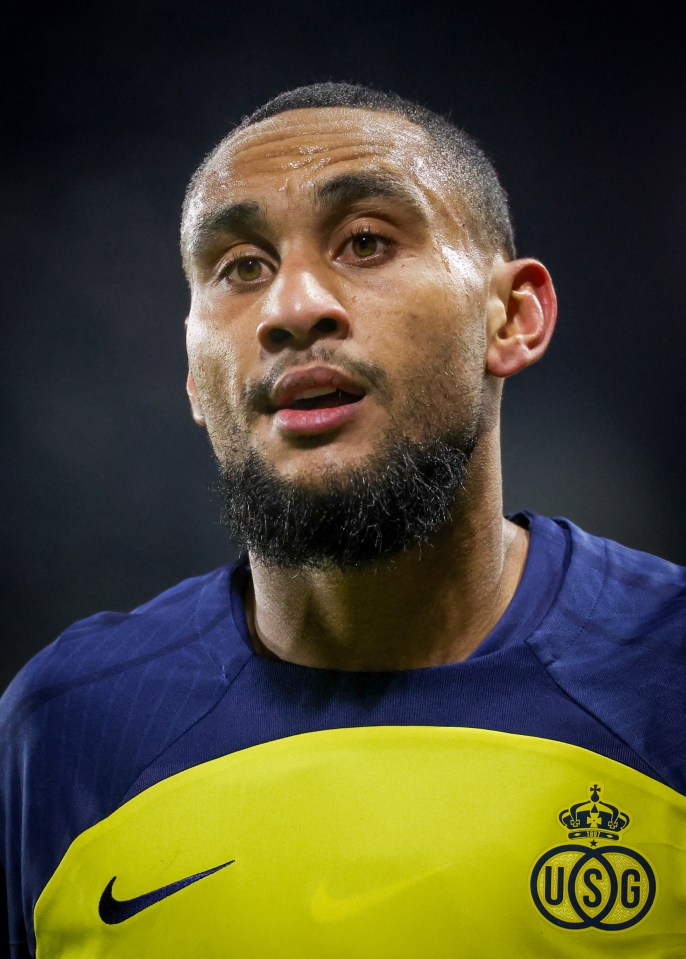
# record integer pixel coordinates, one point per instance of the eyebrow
(244, 218)
(247, 218)
(350, 188)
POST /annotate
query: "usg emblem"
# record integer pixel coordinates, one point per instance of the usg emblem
(608, 887)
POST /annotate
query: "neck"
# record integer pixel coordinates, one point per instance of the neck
(428, 606)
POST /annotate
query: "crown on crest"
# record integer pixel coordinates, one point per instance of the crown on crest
(594, 819)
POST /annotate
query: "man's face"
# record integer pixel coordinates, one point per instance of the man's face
(338, 305)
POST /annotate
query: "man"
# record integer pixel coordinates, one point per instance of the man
(401, 725)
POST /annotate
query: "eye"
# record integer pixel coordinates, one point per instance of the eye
(244, 269)
(248, 268)
(366, 245)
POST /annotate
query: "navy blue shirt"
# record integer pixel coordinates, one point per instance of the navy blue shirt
(590, 652)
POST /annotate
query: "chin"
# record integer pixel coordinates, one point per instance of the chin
(316, 466)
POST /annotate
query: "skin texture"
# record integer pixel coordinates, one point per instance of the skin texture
(442, 318)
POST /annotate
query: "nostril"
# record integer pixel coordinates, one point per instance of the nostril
(279, 335)
(326, 325)
(301, 329)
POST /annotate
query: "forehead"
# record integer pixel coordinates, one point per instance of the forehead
(302, 148)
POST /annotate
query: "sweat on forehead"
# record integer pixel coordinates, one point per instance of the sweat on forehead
(315, 143)
(467, 171)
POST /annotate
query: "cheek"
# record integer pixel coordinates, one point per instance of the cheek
(443, 328)
(439, 354)
(212, 358)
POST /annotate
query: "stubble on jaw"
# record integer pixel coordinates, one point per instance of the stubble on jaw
(399, 496)
(389, 503)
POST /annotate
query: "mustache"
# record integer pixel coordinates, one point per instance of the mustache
(256, 395)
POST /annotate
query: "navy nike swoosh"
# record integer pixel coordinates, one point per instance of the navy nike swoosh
(114, 910)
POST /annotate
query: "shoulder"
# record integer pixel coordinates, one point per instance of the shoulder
(614, 640)
(625, 591)
(98, 705)
(89, 713)
(101, 647)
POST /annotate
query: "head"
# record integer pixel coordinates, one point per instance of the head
(355, 307)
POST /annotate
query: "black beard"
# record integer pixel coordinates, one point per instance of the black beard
(396, 499)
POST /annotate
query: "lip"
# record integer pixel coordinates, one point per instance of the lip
(316, 421)
(293, 385)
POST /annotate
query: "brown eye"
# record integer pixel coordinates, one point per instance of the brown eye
(365, 244)
(248, 269)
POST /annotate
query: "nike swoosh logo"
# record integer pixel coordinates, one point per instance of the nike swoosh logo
(327, 908)
(114, 910)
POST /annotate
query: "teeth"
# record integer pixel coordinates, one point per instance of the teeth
(316, 391)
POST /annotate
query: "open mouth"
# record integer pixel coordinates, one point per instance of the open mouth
(320, 400)
(315, 400)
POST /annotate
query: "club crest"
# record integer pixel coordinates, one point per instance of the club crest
(601, 885)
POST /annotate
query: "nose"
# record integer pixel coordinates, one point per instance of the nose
(300, 307)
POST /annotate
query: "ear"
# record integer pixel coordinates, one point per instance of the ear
(521, 316)
(196, 409)
(192, 391)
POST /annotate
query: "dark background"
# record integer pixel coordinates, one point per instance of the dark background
(110, 111)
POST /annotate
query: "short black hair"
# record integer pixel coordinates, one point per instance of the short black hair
(487, 208)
